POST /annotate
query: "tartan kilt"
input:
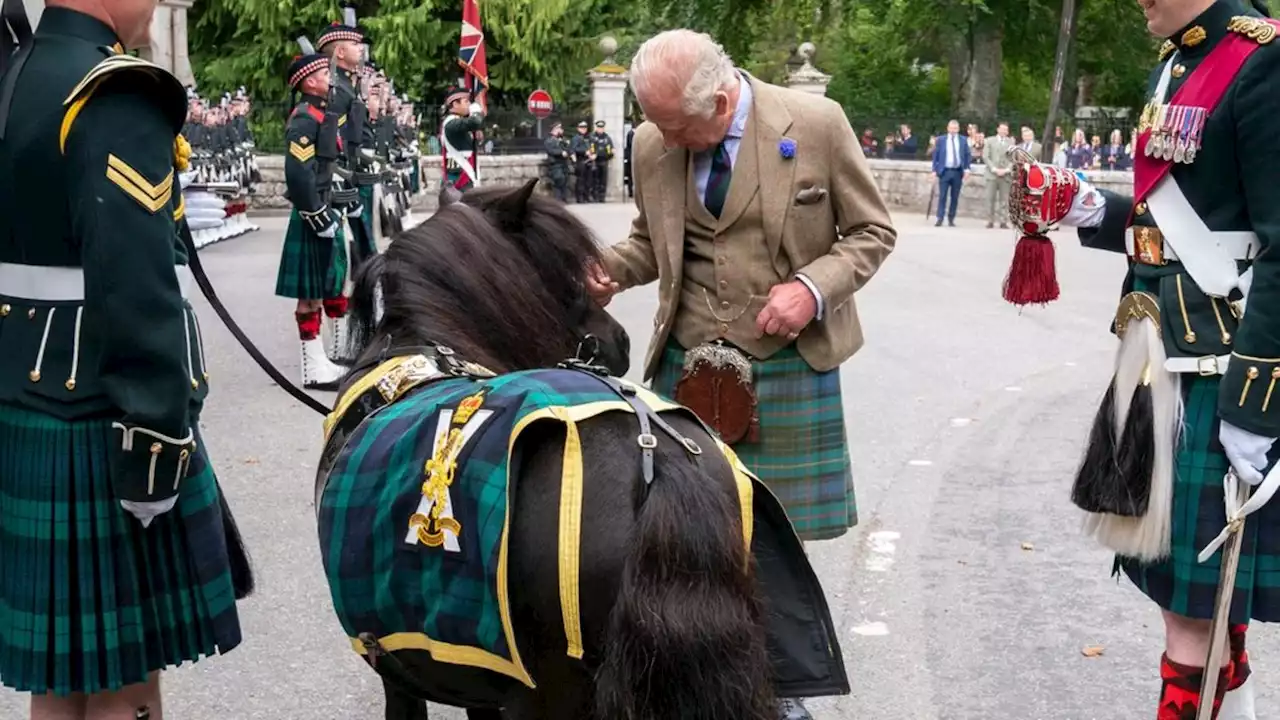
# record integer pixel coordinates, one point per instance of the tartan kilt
(1179, 583)
(311, 267)
(803, 452)
(91, 601)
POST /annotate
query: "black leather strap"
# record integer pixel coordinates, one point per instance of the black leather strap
(193, 260)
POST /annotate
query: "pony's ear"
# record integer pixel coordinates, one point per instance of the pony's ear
(449, 195)
(514, 208)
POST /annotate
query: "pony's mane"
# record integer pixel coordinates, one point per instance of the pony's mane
(497, 277)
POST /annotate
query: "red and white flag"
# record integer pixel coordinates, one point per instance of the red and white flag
(471, 54)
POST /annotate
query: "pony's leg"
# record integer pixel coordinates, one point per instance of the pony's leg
(401, 706)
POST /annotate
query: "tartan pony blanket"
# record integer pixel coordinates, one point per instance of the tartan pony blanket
(414, 514)
(413, 502)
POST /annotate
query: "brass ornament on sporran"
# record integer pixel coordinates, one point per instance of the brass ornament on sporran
(717, 385)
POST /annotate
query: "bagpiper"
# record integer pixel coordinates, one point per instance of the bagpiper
(462, 119)
(1192, 409)
(111, 527)
(313, 263)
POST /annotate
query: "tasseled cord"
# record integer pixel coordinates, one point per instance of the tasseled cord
(1033, 277)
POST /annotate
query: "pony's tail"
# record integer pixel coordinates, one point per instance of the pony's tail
(366, 303)
(685, 638)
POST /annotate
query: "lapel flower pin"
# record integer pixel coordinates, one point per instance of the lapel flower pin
(787, 148)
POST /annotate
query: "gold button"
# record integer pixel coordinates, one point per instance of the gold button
(724, 329)
(184, 455)
(1178, 71)
(194, 385)
(70, 384)
(724, 305)
(31, 314)
(4, 309)
(205, 376)
(34, 375)
(156, 448)
(1275, 373)
(1190, 337)
(1141, 209)
(724, 284)
(1226, 338)
(1252, 372)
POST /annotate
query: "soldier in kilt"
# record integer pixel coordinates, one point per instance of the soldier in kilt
(757, 272)
(1199, 330)
(313, 262)
(111, 528)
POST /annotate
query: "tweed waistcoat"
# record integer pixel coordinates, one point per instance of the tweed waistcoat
(727, 274)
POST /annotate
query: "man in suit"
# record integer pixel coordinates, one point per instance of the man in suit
(760, 219)
(1029, 142)
(951, 162)
(999, 168)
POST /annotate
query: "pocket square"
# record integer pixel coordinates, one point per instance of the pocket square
(811, 195)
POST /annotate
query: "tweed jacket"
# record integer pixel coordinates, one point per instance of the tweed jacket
(837, 234)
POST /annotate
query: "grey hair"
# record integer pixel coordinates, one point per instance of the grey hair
(683, 58)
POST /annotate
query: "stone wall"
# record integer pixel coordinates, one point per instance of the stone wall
(501, 170)
(907, 185)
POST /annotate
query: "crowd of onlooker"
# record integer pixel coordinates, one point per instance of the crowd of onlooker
(1082, 152)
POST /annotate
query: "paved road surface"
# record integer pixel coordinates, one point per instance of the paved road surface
(965, 593)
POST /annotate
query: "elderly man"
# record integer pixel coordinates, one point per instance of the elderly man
(759, 217)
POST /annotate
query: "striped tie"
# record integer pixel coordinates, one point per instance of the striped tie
(718, 180)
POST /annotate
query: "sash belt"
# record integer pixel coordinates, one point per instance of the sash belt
(47, 283)
(1238, 244)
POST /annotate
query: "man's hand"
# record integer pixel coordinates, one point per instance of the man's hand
(790, 309)
(600, 286)
(1246, 451)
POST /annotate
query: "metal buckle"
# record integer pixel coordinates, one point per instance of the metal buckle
(648, 441)
(691, 446)
(1207, 366)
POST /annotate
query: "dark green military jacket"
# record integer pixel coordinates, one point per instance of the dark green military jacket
(353, 118)
(300, 163)
(93, 322)
(1232, 186)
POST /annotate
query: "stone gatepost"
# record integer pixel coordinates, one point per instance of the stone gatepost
(608, 103)
(169, 40)
(808, 78)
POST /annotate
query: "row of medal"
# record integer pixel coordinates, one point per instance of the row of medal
(1176, 131)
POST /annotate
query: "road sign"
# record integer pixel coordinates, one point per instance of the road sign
(541, 104)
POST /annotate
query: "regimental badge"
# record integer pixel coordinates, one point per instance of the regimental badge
(433, 523)
(467, 408)
(1167, 48)
(1194, 36)
(304, 140)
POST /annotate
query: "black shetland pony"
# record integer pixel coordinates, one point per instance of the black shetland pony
(672, 618)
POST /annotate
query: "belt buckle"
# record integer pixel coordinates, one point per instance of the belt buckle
(1207, 365)
(1148, 245)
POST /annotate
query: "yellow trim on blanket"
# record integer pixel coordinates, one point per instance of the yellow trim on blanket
(571, 535)
(449, 653)
(359, 388)
(746, 493)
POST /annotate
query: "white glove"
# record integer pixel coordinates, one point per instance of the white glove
(476, 109)
(1087, 208)
(1246, 451)
(355, 210)
(147, 511)
(329, 231)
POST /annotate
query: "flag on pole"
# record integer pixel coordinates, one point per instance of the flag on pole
(471, 54)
